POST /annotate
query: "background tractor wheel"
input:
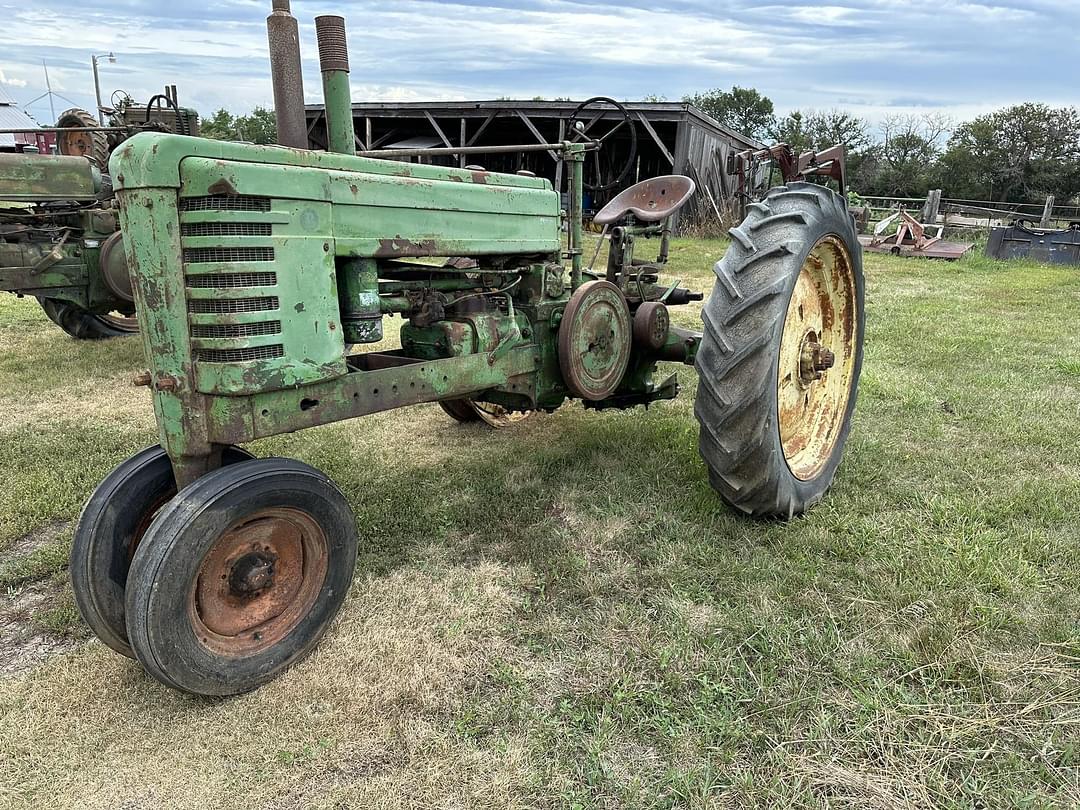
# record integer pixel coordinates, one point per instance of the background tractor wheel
(91, 145)
(84, 325)
(466, 411)
(239, 576)
(110, 527)
(781, 353)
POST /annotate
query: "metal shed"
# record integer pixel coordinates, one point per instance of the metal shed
(672, 138)
(11, 117)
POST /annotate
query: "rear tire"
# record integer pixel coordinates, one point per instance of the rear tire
(751, 465)
(93, 146)
(239, 576)
(82, 324)
(467, 412)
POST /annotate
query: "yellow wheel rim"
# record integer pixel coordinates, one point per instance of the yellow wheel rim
(497, 416)
(817, 358)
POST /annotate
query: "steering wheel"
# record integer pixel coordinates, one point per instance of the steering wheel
(587, 120)
(119, 98)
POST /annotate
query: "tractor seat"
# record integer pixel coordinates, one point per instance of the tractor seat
(649, 201)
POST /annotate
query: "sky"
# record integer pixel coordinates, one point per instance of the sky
(870, 57)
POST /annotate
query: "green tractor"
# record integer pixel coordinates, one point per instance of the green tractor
(59, 227)
(261, 272)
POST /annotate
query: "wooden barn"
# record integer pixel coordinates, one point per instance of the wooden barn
(666, 138)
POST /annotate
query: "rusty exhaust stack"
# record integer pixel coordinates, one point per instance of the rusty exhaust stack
(287, 77)
(334, 62)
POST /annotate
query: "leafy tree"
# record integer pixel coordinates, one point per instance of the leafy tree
(220, 126)
(743, 109)
(260, 126)
(908, 154)
(1017, 154)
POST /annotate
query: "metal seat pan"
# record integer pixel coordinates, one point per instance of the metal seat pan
(648, 201)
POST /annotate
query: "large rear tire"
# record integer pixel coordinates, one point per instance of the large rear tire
(82, 324)
(467, 411)
(781, 353)
(92, 145)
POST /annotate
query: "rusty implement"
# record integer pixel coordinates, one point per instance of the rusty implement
(913, 239)
(1023, 240)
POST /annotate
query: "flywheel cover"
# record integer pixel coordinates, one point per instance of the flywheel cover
(114, 269)
(594, 340)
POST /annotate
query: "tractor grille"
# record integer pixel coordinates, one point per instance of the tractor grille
(227, 229)
(227, 306)
(240, 355)
(228, 254)
(238, 250)
(221, 203)
(231, 280)
(236, 330)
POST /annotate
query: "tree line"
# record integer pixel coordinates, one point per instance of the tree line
(1017, 154)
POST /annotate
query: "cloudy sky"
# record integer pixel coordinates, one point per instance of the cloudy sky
(871, 57)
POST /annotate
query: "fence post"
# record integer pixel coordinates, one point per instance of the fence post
(1048, 212)
(933, 205)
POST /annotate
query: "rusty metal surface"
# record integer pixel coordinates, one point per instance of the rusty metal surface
(650, 200)
(817, 357)
(594, 340)
(286, 76)
(831, 163)
(1024, 240)
(912, 239)
(943, 250)
(258, 581)
(333, 49)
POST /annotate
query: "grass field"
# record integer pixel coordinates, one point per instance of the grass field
(563, 615)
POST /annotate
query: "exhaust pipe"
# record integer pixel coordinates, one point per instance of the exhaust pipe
(286, 76)
(337, 96)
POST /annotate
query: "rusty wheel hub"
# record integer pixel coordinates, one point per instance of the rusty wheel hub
(258, 581)
(817, 358)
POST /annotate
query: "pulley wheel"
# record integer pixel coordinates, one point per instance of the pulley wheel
(594, 340)
(651, 325)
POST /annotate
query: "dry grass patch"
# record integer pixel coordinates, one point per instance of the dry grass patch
(368, 719)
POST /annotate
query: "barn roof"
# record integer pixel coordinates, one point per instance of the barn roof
(11, 117)
(652, 110)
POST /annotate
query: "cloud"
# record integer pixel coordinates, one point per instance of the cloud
(870, 56)
(11, 82)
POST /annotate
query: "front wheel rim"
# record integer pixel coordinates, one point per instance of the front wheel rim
(817, 358)
(259, 580)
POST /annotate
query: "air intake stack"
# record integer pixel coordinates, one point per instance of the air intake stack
(334, 62)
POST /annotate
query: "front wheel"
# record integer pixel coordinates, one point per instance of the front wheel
(781, 353)
(239, 576)
(110, 528)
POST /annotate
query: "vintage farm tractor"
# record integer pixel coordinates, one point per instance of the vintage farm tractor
(59, 228)
(258, 268)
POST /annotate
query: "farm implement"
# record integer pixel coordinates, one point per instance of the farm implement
(260, 274)
(60, 236)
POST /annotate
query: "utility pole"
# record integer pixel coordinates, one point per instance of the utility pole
(97, 81)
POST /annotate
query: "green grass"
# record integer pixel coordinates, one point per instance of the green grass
(564, 615)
